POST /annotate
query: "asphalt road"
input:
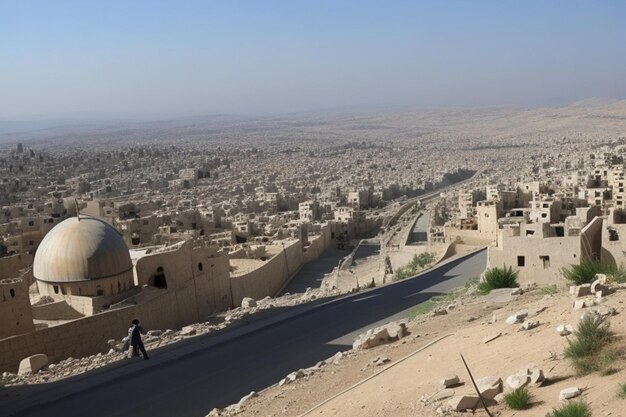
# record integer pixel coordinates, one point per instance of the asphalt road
(189, 379)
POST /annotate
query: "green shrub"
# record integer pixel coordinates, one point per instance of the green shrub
(621, 392)
(518, 399)
(571, 409)
(586, 270)
(585, 349)
(549, 290)
(418, 262)
(591, 335)
(498, 278)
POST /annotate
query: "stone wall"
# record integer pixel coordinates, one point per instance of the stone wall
(194, 291)
(16, 316)
(89, 335)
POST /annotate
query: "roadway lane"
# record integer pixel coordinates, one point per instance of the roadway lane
(189, 379)
(312, 274)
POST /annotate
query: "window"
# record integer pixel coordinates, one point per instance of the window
(159, 278)
(544, 215)
(521, 261)
(12, 292)
(31, 223)
(200, 266)
(56, 289)
(546, 261)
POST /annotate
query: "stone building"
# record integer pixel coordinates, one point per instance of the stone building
(85, 262)
(16, 316)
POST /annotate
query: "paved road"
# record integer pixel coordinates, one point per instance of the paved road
(189, 379)
(312, 273)
(419, 233)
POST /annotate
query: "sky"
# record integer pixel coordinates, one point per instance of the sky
(88, 58)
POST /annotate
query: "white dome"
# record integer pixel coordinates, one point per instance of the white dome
(79, 250)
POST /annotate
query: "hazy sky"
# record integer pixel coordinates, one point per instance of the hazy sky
(203, 57)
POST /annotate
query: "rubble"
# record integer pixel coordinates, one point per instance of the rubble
(388, 333)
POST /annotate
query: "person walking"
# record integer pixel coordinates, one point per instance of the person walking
(134, 338)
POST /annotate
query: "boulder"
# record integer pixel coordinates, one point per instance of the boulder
(569, 393)
(380, 335)
(517, 317)
(248, 302)
(517, 381)
(450, 381)
(579, 304)
(32, 364)
(489, 386)
(530, 374)
(530, 325)
(463, 402)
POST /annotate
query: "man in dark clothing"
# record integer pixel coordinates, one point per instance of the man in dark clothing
(134, 339)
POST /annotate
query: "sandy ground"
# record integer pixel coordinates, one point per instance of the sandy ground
(404, 389)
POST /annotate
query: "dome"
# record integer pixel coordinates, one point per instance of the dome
(81, 249)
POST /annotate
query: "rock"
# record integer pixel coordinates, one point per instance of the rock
(291, 377)
(517, 381)
(450, 308)
(463, 402)
(188, 331)
(379, 361)
(216, 412)
(439, 312)
(32, 364)
(579, 304)
(580, 290)
(530, 325)
(489, 386)
(499, 398)
(246, 398)
(248, 302)
(604, 311)
(154, 333)
(380, 335)
(517, 317)
(450, 381)
(565, 329)
(517, 291)
(530, 374)
(590, 302)
(569, 393)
